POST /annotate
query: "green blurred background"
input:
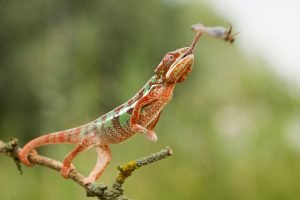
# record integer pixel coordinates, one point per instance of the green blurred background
(232, 124)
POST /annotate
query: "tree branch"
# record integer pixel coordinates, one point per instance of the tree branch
(100, 190)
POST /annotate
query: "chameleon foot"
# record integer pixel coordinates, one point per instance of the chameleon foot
(65, 170)
(151, 135)
(24, 158)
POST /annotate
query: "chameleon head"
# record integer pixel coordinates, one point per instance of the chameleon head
(176, 65)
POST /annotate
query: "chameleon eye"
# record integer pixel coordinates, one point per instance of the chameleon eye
(171, 57)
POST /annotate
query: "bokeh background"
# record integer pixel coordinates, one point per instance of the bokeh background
(233, 124)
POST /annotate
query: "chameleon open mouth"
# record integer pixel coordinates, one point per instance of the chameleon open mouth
(190, 49)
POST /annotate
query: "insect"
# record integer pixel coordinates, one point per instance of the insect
(218, 31)
(139, 114)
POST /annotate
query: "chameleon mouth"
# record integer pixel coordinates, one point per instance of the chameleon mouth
(189, 50)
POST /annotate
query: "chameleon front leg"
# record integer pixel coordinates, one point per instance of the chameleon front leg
(104, 157)
(154, 122)
(82, 146)
(134, 126)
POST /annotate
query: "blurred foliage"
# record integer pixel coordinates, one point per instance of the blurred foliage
(233, 125)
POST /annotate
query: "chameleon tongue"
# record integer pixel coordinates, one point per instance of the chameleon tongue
(196, 39)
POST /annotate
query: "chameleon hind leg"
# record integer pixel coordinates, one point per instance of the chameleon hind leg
(81, 147)
(104, 157)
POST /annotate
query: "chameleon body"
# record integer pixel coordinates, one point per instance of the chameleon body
(139, 114)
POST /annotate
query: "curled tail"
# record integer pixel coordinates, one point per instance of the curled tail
(68, 136)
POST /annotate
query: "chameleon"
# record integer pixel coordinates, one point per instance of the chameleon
(139, 114)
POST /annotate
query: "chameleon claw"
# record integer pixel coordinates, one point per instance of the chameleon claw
(24, 158)
(26, 162)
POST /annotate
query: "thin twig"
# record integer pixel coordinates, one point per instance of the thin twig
(126, 170)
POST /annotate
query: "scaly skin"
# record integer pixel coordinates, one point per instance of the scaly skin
(139, 114)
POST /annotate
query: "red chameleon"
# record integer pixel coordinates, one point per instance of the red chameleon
(139, 114)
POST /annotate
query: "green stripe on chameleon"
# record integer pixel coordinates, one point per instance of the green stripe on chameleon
(153, 79)
(147, 88)
(123, 119)
(108, 122)
(149, 84)
(99, 121)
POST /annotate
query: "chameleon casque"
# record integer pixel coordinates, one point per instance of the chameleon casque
(139, 114)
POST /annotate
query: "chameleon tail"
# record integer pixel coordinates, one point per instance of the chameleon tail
(68, 136)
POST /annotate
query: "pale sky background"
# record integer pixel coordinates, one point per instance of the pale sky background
(270, 29)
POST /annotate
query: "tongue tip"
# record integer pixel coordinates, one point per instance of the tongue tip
(195, 41)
